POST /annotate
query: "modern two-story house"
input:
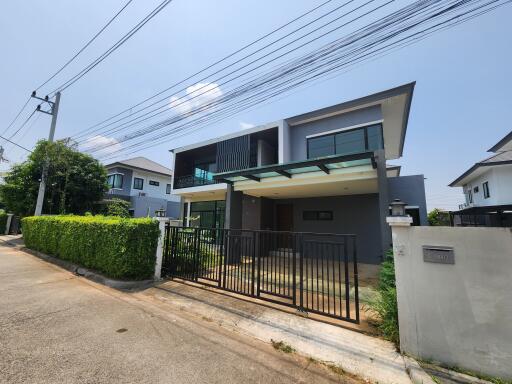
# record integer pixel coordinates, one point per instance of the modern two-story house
(146, 185)
(487, 188)
(322, 171)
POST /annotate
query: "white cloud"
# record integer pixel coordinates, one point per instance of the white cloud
(244, 125)
(102, 145)
(197, 96)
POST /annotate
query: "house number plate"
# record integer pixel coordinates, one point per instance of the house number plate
(440, 255)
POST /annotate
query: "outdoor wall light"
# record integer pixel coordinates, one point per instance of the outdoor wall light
(398, 208)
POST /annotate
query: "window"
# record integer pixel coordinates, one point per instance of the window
(168, 189)
(346, 142)
(155, 183)
(485, 186)
(475, 190)
(115, 181)
(470, 196)
(138, 183)
(317, 215)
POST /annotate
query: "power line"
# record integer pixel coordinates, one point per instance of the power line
(113, 48)
(415, 36)
(201, 107)
(23, 124)
(187, 98)
(16, 144)
(17, 116)
(208, 67)
(86, 45)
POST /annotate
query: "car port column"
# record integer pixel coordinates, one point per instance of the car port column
(382, 182)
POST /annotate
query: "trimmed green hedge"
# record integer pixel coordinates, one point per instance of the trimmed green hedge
(3, 221)
(117, 247)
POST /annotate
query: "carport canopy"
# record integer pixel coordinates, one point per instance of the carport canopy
(324, 164)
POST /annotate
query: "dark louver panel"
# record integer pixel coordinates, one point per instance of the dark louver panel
(233, 154)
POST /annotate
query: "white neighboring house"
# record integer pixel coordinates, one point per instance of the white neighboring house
(487, 185)
(146, 185)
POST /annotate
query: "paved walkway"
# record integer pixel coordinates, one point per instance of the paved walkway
(59, 328)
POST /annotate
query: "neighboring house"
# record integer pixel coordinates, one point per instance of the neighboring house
(322, 171)
(146, 185)
(487, 187)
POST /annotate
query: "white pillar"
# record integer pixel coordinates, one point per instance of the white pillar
(160, 247)
(8, 223)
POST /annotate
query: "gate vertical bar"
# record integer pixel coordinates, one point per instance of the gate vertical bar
(294, 269)
(301, 268)
(253, 263)
(196, 254)
(356, 281)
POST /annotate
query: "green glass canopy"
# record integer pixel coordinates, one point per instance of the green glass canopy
(324, 164)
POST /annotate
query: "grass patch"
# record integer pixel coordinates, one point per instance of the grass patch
(282, 346)
(384, 305)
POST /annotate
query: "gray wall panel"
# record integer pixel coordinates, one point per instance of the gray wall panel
(411, 190)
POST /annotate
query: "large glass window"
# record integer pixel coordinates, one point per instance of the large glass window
(115, 181)
(321, 146)
(207, 214)
(350, 142)
(346, 142)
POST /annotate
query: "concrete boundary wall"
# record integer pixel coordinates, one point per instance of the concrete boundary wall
(457, 314)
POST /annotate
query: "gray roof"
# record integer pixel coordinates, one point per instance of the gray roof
(142, 163)
(505, 142)
(500, 158)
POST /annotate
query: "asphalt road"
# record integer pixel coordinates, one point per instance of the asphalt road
(59, 328)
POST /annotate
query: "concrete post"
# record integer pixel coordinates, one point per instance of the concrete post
(382, 181)
(8, 223)
(160, 247)
(400, 225)
(234, 207)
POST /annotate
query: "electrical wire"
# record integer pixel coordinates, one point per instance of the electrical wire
(415, 35)
(85, 46)
(112, 49)
(17, 116)
(129, 109)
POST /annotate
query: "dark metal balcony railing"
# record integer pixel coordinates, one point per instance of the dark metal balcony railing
(192, 181)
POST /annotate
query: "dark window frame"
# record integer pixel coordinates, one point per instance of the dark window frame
(470, 196)
(485, 187)
(136, 179)
(364, 129)
(168, 189)
(154, 183)
(317, 215)
(112, 184)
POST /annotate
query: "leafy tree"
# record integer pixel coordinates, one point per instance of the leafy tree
(437, 217)
(75, 181)
(118, 207)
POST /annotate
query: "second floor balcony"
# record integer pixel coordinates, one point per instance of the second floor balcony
(198, 179)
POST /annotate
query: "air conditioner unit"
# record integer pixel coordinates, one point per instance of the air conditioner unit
(142, 194)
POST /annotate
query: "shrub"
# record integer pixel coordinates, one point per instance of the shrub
(438, 217)
(3, 221)
(118, 207)
(116, 247)
(385, 305)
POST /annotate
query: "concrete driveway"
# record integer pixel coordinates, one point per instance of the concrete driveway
(59, 328)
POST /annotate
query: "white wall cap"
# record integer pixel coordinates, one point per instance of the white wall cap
(399, 221)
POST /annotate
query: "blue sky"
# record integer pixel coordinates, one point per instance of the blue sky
(460, 107)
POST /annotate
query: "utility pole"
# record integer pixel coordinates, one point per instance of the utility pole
(54, 111)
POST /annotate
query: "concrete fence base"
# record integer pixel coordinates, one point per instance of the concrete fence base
(454, 290)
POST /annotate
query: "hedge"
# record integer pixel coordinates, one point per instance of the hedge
(119, 248)
(3, 221)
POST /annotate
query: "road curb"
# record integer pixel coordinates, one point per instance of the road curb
(416, 373)
(122, 285)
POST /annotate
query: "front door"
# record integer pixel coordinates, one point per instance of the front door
(285, 217)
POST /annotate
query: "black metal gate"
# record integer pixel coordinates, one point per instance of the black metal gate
(313, 272)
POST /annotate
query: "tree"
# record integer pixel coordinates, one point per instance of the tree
(438, 217)
(76, 181)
